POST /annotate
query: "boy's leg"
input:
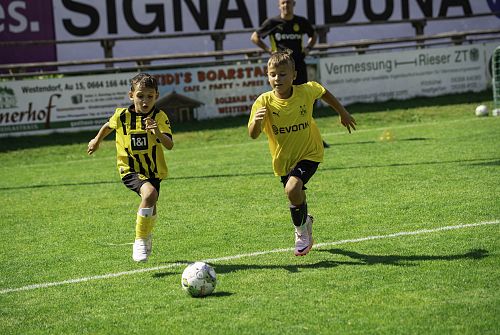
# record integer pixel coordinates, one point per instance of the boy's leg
(300, 218)
(144, 223)
(149, 197)
(149, 240)
(295, 190)
(142, 243)
(297, 197)
(148, 190)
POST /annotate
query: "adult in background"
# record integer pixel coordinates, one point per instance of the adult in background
(286, 31)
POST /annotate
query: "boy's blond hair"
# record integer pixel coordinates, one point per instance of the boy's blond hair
(279, 58)
(143, 80)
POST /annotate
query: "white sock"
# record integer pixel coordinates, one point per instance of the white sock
(146, 212)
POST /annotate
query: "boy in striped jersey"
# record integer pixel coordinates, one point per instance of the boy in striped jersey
(142, 131)
(285, 115)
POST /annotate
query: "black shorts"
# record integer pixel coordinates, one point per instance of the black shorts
(303, 170)
(134, 181)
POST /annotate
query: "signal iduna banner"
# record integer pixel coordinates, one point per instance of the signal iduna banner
(74, 20)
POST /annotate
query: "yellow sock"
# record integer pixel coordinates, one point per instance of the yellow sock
(143, 226)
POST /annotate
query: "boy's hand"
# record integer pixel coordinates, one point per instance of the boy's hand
(93, 146)
(256, 126)
(347, 121)
(260, 114)
(151, 124)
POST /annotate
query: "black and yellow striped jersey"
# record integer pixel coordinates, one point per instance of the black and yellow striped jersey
(290, 128)
(138, 150)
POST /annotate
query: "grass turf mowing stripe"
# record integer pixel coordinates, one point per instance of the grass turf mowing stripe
(253, 254)
(250, 143)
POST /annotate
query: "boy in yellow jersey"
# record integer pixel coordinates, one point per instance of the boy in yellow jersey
(285, 116)
(142, 131)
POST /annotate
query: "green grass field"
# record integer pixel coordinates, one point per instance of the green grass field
(383, 264)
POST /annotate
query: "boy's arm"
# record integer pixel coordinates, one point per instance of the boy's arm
(96, 141)
(255, 128)
(345, 118)
(166, 140)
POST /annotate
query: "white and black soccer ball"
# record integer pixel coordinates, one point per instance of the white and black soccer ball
(481, 110)
(199, 279)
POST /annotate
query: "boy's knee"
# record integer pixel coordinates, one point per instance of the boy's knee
(293, 187)
(149, 193)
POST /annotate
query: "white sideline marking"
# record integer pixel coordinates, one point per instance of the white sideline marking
(117, 244)
(252, 254)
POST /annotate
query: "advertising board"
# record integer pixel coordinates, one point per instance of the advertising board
(85, 102)
(75, 20)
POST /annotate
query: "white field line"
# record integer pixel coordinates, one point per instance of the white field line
(252, 254)
(117, 244)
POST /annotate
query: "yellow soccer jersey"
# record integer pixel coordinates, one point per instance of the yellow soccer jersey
(290, 128)
(138, 150)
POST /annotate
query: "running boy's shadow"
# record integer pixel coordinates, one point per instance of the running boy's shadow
(228, 268)
(358, 259)
(410, 260)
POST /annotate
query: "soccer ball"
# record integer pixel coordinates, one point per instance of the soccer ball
(199, 279)
(495, 112)
(481, 110)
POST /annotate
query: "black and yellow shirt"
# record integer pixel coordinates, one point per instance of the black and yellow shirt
(290, 128)
(287, 34)
(138, 150)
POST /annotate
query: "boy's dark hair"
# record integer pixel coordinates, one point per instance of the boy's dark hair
(143, 80)
(282, 57)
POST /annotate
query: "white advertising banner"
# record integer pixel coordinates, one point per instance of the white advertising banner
(68, 103)
(222, 90)
(403, 75)
(85, 102)
(75, 20)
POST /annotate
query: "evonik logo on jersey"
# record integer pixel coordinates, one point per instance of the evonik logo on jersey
(290, 129)
(495, 7)
(283, 37)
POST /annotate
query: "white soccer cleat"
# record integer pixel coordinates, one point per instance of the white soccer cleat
(139, 250)
(309, 222)
(303, 237)
(149, 244)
